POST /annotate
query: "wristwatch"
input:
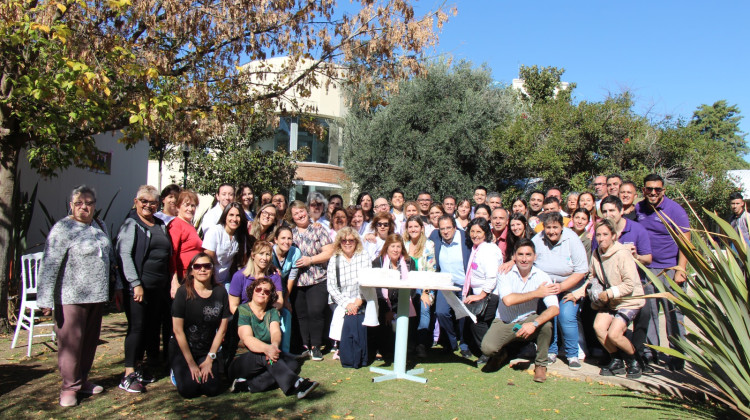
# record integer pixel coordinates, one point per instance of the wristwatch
(536, 324)
(212, 356)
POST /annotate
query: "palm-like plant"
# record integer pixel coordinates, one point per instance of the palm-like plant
(719, 345)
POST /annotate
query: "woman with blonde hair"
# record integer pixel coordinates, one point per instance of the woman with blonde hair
(343, 271)
(422, 251)
(264, 224)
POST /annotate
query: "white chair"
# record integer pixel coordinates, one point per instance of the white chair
(30, 264)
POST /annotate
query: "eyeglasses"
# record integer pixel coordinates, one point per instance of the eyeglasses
(600, 183)
(348, 241)
(653, 189)
(82, 203)
(145, 202)
(382, 224)
(204, 266)
(316, 204)
(264, 292)
(268, 213)
(445, 229)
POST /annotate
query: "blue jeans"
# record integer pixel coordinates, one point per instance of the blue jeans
(445, 318)
(567, 321)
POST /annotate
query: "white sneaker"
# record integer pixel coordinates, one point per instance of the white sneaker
(552, 358)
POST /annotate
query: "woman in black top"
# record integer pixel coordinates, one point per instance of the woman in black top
(144, 249)
(200, 315)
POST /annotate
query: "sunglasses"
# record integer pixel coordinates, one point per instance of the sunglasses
(145, 202)
(265, 292)
(347, 241)
(203, 266)
(384, 224)
(650, 189)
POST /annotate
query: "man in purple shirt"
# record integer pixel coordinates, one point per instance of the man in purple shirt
(665, 255)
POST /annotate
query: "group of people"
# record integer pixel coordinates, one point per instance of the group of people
(544, 277)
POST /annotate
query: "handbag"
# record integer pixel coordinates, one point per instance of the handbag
(596, 287)
(479, 307)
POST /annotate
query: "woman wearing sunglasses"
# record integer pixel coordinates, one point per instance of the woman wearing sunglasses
(382, 226)
(200, 315)
(265, 366)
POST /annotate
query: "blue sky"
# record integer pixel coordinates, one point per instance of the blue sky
(673, 56)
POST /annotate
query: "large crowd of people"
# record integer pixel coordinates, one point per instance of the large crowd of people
(548, 277)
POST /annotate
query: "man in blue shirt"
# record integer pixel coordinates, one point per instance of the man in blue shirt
(451, 256)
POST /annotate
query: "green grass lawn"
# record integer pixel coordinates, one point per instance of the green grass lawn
(30, 389)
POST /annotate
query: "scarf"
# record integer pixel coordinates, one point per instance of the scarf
(470, 269)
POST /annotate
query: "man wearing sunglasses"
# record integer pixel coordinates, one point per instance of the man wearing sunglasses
(665, 255)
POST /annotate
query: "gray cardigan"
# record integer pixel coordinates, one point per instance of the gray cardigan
(76, 264)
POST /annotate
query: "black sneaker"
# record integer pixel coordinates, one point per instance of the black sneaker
(316, 354)
(616, 367)
(634, 368)
(144, 377)
(482, 360)
(130, 383)
(306, 387)
(421, 351)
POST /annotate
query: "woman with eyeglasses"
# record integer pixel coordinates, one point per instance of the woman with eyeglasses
(422, 251)
(309, 295)
(265, 366)
(200, 315)
(264, 224)
(228, 243)
(258, 266)
(382, 226)
(144, 250)
(343, 288)
(74, 279)
(185, 240)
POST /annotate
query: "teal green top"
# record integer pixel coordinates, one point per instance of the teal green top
(261, 327)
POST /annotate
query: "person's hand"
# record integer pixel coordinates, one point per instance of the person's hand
(527, 329)
(569, 297)
(680, 277)
(278, 305)
(389, 317)
(603, 297)
(370, 237)
(195, 372)
(288, 306)
(138, 294)
(426, 299)
(272, 353)
(472, 299)
(304, 262)
(632, 249)
(545, 289)
(46, 311)
(118, 299)
(555, 288)
(506, 266)
(205, 369)
(352, 309)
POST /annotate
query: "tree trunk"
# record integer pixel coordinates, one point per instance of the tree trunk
(8, 166)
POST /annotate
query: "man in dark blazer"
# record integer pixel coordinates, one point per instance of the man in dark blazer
(452, 251)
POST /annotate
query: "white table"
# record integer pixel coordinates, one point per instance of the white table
(417, 280)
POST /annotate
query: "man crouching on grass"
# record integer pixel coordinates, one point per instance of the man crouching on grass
(516, 319)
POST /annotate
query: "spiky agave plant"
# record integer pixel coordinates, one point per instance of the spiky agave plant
(719, 344)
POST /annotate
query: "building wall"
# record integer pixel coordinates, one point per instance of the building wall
(128, 172)
(320, 172)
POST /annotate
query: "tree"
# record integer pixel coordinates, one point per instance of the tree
(721, 122)
(233, 157)
(431, 135)
(541, 85)
(170, 70)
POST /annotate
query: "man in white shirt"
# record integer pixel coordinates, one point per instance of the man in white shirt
(520, 291)
(397, 207)
(224, 196)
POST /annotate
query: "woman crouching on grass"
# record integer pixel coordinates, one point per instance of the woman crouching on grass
(614, 268)
(200, 315)
(265, 366)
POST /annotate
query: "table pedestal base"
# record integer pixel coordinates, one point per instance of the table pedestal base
(392, 374)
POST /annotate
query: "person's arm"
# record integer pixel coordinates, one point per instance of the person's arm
(206, 367)
(681, 276)
(580, 263)
(629, 275)
(275, 334)
(570, 282)
(332, 284)
(256, 346)
(211, 244)
(55, 251)
(234, 302)
(124, 247)
(528, 328)
(544, 290)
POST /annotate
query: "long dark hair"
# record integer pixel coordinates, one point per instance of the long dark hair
(513, 239)
(367, 213)
(190, 280)
(243, 238)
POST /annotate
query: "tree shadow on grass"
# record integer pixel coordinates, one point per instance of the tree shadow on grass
(666, 407)
(16, 375)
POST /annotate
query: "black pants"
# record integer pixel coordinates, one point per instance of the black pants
(186, 385)
(640, 330)
(475, 331)
(263, 376)
(144, 325)
(231, 340)
(310, 304)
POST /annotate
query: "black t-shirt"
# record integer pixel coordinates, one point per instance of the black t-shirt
(202, 317)
(155, 272)
(632, 216)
